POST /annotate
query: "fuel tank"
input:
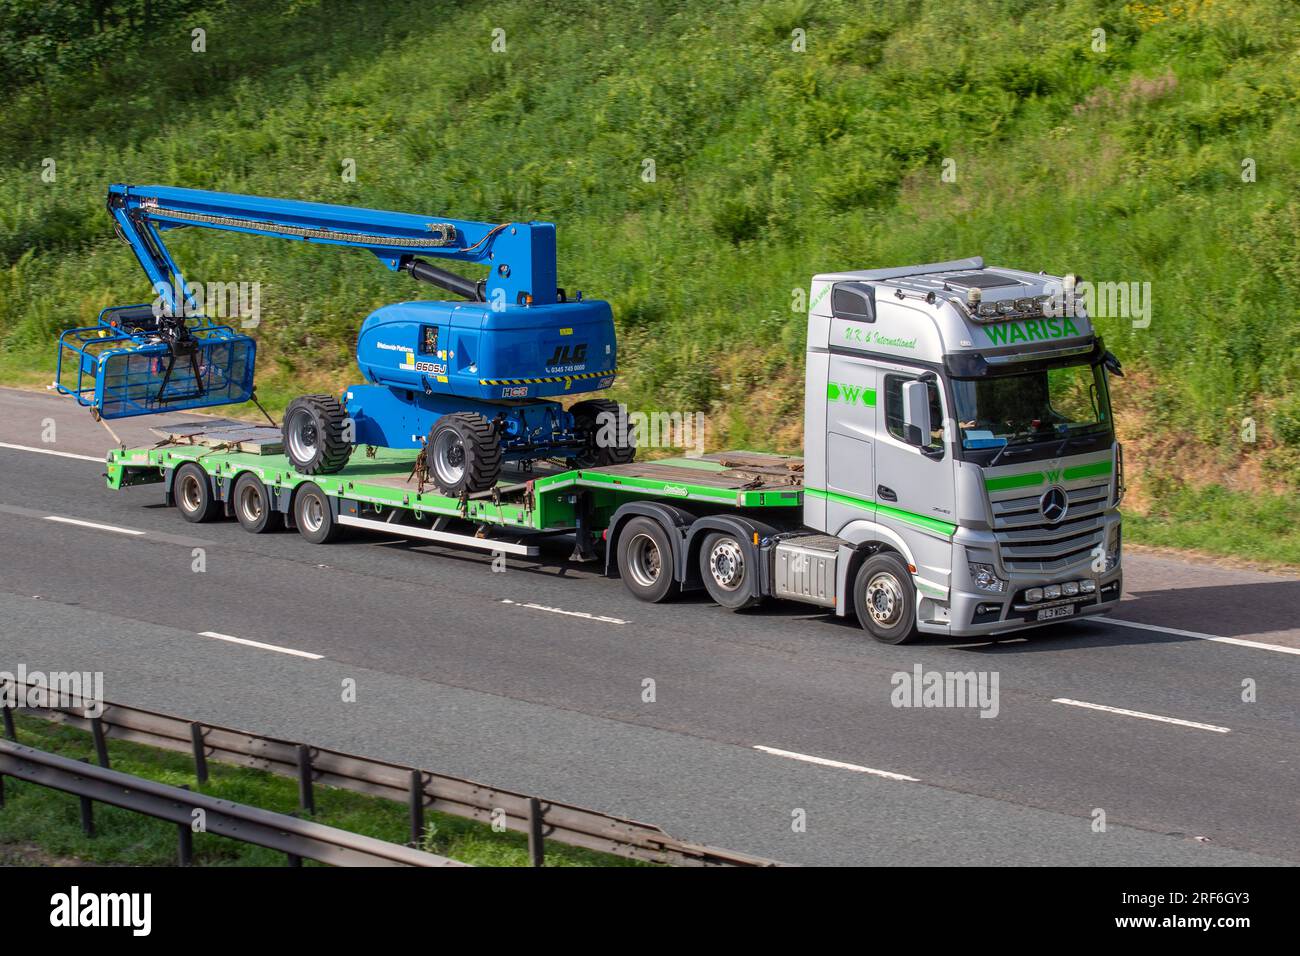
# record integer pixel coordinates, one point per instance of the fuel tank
(471, 350)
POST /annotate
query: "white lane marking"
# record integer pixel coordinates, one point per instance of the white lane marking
(266, 647)
(1258, 645)
(91, 524)
(824, 762)
(51, 451)
(1137, 713)
(557, 610)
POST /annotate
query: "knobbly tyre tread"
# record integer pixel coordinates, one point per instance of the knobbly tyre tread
(332, 452)
(586, 416)
(482, 451)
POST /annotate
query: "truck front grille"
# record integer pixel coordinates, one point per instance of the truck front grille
(1030, 544)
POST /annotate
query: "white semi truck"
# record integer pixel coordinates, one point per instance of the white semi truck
(960, 474)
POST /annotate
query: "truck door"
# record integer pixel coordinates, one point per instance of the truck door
(851, 398)
(914, 486)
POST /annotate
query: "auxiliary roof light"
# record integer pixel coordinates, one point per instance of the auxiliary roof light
(973, 296)
(1069, 284)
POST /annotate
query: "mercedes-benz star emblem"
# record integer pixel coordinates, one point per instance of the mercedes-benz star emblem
(1054, 504)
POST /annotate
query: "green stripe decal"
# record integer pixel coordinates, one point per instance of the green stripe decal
(1015, 481)
(898, 514)
(1088, 471)
(1034, 478)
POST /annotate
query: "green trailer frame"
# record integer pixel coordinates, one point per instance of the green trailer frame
(548, 500)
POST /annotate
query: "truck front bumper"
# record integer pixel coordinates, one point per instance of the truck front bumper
(975, 613)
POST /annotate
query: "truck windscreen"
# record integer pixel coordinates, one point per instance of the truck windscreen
(1043, 408)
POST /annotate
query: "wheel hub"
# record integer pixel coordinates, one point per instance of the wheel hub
(449, 458)
(727, 564)
(884, 599)
(644, 560)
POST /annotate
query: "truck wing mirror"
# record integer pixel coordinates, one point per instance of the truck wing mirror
(916, 413)
(1112, 364)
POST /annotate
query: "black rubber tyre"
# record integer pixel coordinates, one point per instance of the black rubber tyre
(192, 492)
(313, 435)
(645, 560)
(463, 454)
(600, 451)
(252, 505)
(312, 515)
(885, 599)
(728, 574)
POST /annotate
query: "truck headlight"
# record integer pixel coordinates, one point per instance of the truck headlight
(1113, 547)
(985, 578)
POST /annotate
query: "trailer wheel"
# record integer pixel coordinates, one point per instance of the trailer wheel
(192, 492)
(463, 454)
(645, 560)
(728, 575)
(312, 515)
(313, 435)
(253, 505)
(590, 419)
(885, 599)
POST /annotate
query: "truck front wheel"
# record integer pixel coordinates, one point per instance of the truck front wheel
(645, 560)
(885, 599)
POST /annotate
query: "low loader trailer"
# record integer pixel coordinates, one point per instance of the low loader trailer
(960, 475)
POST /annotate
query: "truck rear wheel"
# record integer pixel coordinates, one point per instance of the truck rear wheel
(728, 575)
(463, 454)
(645, 560)
(313, 435)
(253, 505)
(885, 599)
(312, 515)
(192, 492)
(609, 441)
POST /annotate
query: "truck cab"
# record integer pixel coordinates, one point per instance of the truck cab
(958, 423)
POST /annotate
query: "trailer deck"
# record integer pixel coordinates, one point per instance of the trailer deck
(386, 483)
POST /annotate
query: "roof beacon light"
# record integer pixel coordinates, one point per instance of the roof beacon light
(1069, 283)
(973, 297)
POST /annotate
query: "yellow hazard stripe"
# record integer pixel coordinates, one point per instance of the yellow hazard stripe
(548, 379)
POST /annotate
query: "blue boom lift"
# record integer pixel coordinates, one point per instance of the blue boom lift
(470, 383)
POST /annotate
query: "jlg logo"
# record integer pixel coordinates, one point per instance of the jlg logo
(568, 354)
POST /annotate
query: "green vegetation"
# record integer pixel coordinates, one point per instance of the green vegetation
(50, 822)
(1123, 164)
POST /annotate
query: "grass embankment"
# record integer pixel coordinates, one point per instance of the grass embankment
(38, 824)
(1164, 149)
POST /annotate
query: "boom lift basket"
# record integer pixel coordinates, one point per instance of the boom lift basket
(121, 369)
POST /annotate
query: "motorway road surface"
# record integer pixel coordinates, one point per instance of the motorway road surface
(534, 679)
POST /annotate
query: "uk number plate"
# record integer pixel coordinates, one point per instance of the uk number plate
(1047, 613)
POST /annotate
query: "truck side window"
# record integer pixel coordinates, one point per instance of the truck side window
(894, 409)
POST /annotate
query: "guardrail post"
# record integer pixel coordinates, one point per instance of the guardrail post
(536, 841)
(200, 755)
(101, 745)
(293, 859)
(306, 796)
(2, 790)
(10, 730)
(184, 841)
(417, 807)
(87, 811)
